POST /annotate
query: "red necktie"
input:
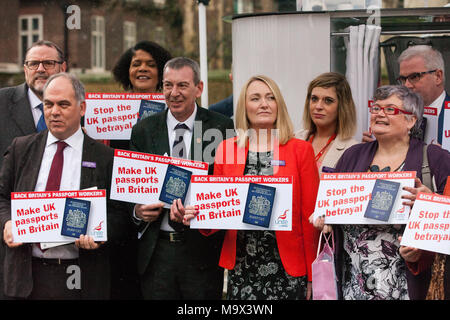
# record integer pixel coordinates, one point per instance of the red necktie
(54, 176)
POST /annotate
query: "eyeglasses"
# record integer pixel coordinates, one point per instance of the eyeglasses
(390, 109)
(48, 64)
(413, 77)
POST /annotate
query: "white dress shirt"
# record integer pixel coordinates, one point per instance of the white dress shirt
(187, 136)
(70, 180)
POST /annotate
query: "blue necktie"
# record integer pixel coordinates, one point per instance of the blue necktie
(179, 147)
(41, 123)
(441, 123)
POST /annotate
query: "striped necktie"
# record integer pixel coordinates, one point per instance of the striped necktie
(179, 146)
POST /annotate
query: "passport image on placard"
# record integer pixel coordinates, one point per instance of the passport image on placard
(149, 108)
(76, 217)
(383, 197)
(259, 204)
(175, 185)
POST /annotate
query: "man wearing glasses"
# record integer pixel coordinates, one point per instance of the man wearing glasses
(20, 106)
(422, 70)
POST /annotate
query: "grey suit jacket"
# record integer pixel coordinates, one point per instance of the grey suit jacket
(19, 173)
(16, 118)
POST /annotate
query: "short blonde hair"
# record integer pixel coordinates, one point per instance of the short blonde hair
(346, 119)
(283, 122)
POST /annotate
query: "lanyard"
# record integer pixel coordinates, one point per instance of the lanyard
(321, 152)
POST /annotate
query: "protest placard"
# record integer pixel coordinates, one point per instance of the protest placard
(37, 216)
(112, 115)
(221, 201)
(343, 197)
(138, 177)
(428, 227)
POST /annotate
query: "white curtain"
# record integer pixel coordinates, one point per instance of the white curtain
(362, 69)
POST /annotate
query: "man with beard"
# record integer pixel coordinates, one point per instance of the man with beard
(21, 106)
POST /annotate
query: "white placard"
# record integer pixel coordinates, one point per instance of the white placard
(221, 202)
(343, 197)
(37, 216)
(428, 226)
(138, 177)
(112, 115)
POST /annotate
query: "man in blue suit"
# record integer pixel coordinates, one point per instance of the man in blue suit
(422, 70)
(19, 106)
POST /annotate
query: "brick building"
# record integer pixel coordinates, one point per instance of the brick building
(94, 33)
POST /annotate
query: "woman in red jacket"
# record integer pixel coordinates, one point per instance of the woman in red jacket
(269, 264)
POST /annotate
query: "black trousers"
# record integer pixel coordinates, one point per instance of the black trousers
(51, 280)
(172, 275)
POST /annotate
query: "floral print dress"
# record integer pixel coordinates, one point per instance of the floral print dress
(259, 273)
(374, 268)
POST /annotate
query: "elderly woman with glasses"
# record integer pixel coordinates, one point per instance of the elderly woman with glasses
(368, 263)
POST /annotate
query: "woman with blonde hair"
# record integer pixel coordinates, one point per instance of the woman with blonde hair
(267, 264)
(329, 119)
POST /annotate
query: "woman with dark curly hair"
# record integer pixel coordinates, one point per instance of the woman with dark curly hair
(140, 68)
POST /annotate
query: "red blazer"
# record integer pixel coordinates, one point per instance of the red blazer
(297, 247)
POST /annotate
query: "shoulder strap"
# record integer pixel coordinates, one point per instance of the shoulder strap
(427, 180)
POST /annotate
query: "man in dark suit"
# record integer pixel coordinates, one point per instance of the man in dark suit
(177, 263)
(422, 70)
(31, 164)
(19, 106)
